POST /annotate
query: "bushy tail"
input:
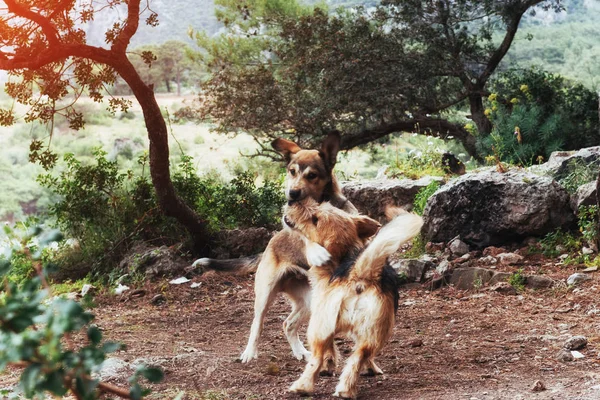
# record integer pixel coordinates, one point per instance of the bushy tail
(369, 265)
(240, 266)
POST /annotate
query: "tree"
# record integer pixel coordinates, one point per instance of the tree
(43, 46)
(397, 67)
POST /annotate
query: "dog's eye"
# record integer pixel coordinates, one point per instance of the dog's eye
(315, 219)
(311, 176)
(293, 172)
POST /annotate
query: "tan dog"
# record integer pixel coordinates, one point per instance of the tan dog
(283, 266)
(356, 296)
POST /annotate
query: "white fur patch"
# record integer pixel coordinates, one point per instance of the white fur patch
(316, 255)
(201, 262)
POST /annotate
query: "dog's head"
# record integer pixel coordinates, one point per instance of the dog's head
(337, 231)
(309, 172)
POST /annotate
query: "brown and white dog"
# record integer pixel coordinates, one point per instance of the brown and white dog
(356, 292)
(283, 266)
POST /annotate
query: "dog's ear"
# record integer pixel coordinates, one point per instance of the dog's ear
(365, 226)
(330, 148)
(286, 148)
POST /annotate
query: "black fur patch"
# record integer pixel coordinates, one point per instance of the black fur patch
(389, 277)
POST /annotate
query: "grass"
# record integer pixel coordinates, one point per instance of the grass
(517, 280)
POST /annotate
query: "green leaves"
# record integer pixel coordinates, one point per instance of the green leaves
(32, 332)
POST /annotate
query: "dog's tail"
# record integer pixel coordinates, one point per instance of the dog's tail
(369, 265)
(240, 266)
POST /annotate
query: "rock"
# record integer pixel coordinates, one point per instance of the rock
(576, 343)
(431, 247)
(504, 288)
(562, 163)
(153, 261)
(539, 282)
(443, 267)
(509, 258)
(493, 251)
(499, 277)
(584, 196)
(113, 368)
(88, 289)
(413, 269)
(463, 258)
(372, 197)
(158, 299)
(590, 269)
(490, 208)
(538, 386)
(564, 356)
(470, 278)
(577, 278)
(458, 247)
(488, 260)
(587, 251)
(237, 243)
(577, 355)
(415, 343)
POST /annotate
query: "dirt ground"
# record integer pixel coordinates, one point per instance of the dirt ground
(447, 344)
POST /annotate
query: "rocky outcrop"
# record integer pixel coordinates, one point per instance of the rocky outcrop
(371, 197)
(562, 163)
(489, 208)
(585, 196)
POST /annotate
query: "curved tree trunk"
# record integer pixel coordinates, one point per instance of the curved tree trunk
(170, 203)
(484, 126)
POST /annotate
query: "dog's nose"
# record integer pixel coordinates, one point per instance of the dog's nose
(294, 194)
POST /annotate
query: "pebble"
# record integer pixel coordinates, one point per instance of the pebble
(576, 343)
(577, 278)
(538, 386)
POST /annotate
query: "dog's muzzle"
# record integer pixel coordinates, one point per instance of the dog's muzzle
(287, 221)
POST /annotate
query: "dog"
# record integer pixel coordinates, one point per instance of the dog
(355, 292)
(283, 266)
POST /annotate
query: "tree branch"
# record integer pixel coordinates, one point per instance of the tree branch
(49, 30)
(55, 53)
(131, 25)
(511, 31)
(428, 126)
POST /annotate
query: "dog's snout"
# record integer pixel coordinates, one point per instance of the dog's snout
(294, 194)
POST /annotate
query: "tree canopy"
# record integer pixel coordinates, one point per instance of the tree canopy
(400, 66)
(44, 47)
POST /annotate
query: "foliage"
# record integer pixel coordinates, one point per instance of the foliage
(587, 220)
(423, 195)
(517, 280)
(417, 248)
(559, 242)
(106, 210)
(368, 73)
(579, 173)
(34, 332)
(535, 113)
(163, 66)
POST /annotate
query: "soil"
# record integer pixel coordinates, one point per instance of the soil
(447, 344)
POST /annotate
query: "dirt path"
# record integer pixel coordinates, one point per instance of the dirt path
(447, 344)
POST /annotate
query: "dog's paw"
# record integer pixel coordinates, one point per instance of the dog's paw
(316, 255)
(302, 354)
(302, 388)
(344, 394)
(248, 355)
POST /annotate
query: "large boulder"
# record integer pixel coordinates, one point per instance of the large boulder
(562, 163)
(371, 197)
(236, 243)
(491, 208)
(584, 196)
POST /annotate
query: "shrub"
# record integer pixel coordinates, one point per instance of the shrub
(580, 173)
(423, 195)
(517, 280)
(106, 209)
(536, 112)
(587, 220)
(33, 328)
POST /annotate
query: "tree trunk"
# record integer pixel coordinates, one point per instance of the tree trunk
(170, 203)
(178, 83)
(484, 126)
(168, 84)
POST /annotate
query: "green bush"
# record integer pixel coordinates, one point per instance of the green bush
(580, 173)
(549, 112)
(106, 209)
(423, 195)
(33, 328)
